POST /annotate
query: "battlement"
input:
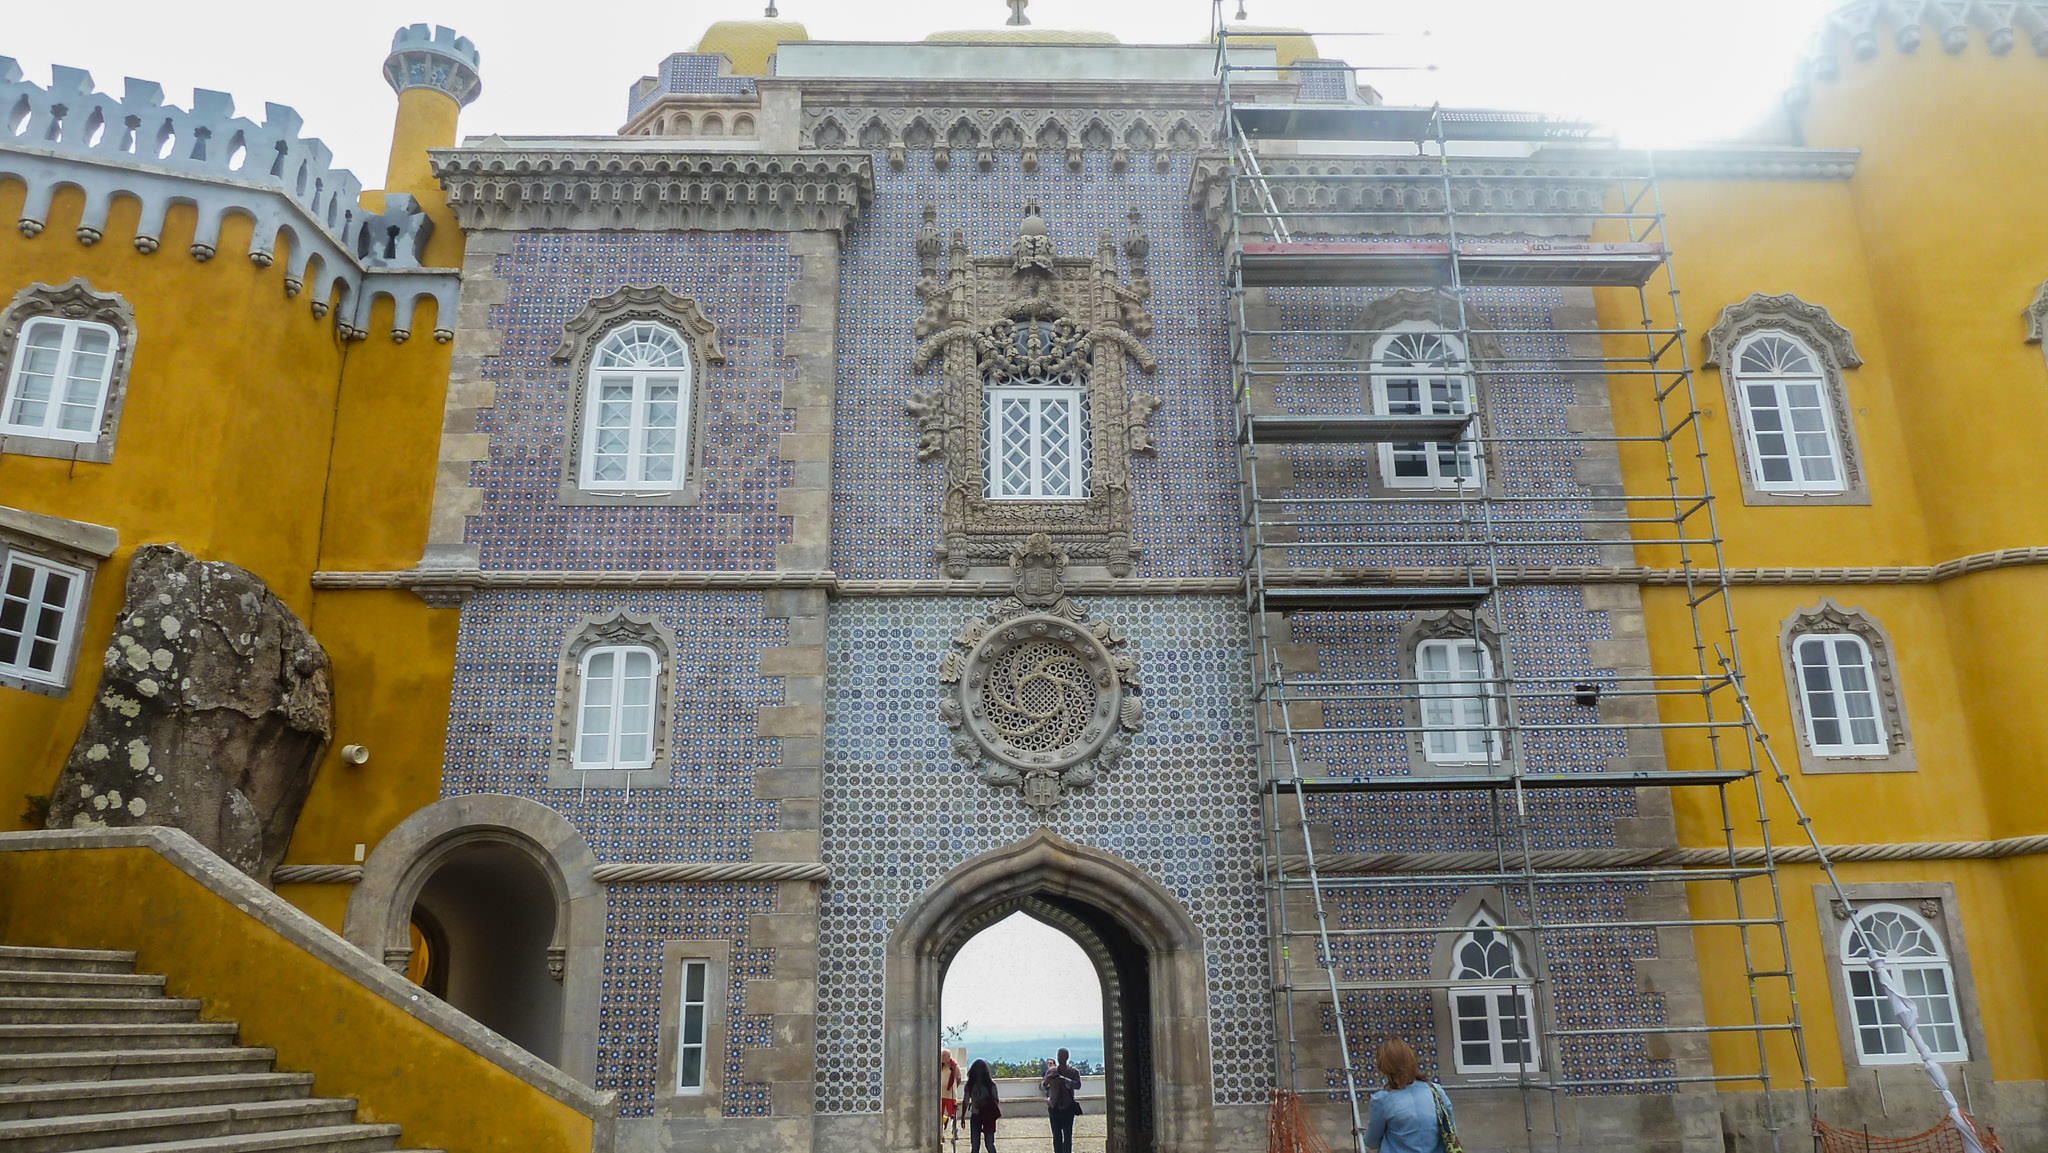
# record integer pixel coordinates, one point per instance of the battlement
(436, 58)
(70, 135)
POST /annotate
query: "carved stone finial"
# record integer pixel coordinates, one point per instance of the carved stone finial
(1033, 248)
(1017, 17)
(2036, 315)
(1037, 569)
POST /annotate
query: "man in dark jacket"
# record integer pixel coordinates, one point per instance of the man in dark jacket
(1061, 1083)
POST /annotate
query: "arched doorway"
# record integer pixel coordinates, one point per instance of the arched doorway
(503, 889)
(491, 912)
(1150, 950)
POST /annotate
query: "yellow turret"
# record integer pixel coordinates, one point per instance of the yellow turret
(434, 72)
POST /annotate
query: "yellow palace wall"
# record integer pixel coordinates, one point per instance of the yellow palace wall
(1927, 256)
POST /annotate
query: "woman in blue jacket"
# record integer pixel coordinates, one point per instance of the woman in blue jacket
(1404, 1115)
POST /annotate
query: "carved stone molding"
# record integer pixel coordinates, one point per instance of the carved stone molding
(651, 190)
(1810, 322)
(1039, 698)
(1337, 196)
(1043, 136)
(72, 300)
(617, 628)
(1830, 617)
(2036, 318)
(581, 332)
(1859, 27)
(1032, 315)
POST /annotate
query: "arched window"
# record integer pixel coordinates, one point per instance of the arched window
(616, 709)
(1036, 424)
(1839, 694)
(1913, 952)
(1786, 415)
(1491, 1003)
(1454, 676)
(1420, 371)
(636, 411)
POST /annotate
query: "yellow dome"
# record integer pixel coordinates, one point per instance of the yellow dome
(749, 43)
(1289, 44)
(1020, 36)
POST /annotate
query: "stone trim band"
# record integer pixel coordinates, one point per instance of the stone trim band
(1353, 864)
(625, 873)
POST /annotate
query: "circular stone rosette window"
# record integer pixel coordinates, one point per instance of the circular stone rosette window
(1040, 692)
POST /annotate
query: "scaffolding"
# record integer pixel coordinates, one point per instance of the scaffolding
(1380, 263)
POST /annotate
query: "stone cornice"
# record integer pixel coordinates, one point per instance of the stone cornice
(654, 189)
(1020, 95)
(453, 584)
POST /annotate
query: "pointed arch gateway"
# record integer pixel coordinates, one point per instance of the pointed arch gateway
(1145, 945)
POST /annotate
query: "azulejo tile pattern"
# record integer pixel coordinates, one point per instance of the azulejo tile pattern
(639, 920)
(1185, 504)
(501, 726)
(900, 813)
(742, 280)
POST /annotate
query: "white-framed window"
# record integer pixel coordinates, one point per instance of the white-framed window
(636, 411)
(692, 1026)
(1037, 446)
(1492, 1003)
(1457, 702)
(57, 384)
(1793, 447)
(615, 710)
(1419, 371)
(1839, 693)
(40, 605)
(1910, 948)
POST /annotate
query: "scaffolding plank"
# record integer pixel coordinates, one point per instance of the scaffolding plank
(1355, 428)
(1497, 781)
(1372, 598)
(1307, 264)
(1380, 122)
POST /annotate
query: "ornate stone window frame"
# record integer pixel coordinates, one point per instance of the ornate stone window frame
(1440, 627)
(1832, 344)
(973, 310)
(1830, 617)
(614, 628)
(1492, 902)
(716, 956)
(1420, 310)
(582, 335)
(70, 544)
(1935, 902)
(75, 299)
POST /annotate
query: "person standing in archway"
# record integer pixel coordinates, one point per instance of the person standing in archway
(1061, 1083)
(949, 1092)
(983, 1106)
(1410, 1115)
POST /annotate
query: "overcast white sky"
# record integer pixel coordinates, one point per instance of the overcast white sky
(1021, 978)
(1661, 70)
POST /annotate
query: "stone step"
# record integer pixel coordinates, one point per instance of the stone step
(69, 1098)
(82, 1010)
(73, 1037)
(131, 1064)
(140, 1126)
(334, 1139)
(50, 983)
(20, 957)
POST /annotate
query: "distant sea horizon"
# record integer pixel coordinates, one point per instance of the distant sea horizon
(1079, 1047)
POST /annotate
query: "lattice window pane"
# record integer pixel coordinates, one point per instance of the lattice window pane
(38, 611)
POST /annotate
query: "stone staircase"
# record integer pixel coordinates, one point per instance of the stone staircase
(94, 1056)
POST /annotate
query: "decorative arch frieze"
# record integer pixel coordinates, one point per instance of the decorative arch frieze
(581, 336)
(1831, 617)
(1044, 136)
(1812, 326)
(72, 300)
(1032, 314)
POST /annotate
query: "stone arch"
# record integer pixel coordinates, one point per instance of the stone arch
(1099, 889)
(379, 914)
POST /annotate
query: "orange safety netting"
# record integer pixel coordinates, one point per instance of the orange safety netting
(1289, 1128)
(1943, 1138)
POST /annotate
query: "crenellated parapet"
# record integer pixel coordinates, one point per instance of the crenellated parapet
(1863, 26)
(436, 58)
(135, 146)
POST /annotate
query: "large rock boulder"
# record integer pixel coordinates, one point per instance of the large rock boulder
(210, 717)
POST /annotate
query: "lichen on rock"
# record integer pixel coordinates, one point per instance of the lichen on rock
(211, 714)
